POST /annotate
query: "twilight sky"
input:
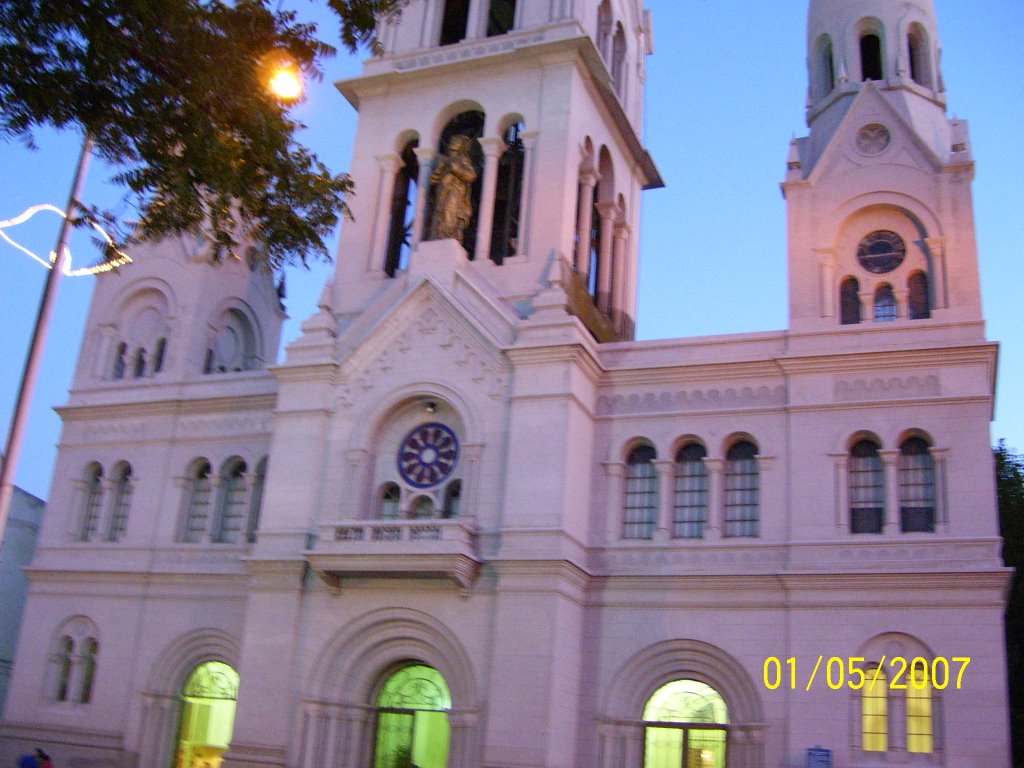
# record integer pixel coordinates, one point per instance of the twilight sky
(725, 93)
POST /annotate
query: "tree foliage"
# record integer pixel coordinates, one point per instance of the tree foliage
(1010, 493)
(173, 94)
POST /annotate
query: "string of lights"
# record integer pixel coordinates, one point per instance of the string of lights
(119, 259)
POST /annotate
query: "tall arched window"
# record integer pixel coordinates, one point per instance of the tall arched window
(824, 80)
(885, 304)
(93, 505)
(390, 495)
(917, 486)
(849, 302)
(412, 719)
(867, 488)
(256, 500)
(159, 354)
(90, 650)
(234, 347)
(871, 57)
(452, 498)
(403, 207)
(920, 736)
(917, 52)
(874, 716)
(641, 511)
(122, 502)
(604, 30)
(62, 663)
(687, 712)
(918, 303)
(742, 490)
(453, 21)
(501, 17)
(509, 190)
(207, 720)
(120, 360)
(594, 264)
(73, 662)
(197, 504)
(470, 124)
(231, 504)
(139, 363)
(422, 507)
(691, 503)
(619, 61)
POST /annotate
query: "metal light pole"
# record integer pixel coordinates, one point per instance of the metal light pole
(35, 353)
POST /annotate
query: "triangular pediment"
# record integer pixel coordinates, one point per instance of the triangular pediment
(426, 335)
(873, 133)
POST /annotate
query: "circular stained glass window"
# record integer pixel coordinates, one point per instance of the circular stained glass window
(881, 251)
(428, 455)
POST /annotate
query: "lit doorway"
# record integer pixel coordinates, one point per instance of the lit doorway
(208, 702)
(691, 729)
(412, 720)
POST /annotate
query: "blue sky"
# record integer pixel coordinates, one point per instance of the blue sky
(725, 93)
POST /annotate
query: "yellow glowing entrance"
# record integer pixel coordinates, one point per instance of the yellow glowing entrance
(207, 715)
(412, 720)
(693, 735)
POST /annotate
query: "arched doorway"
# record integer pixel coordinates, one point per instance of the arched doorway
(412, 719)
(208, 701)
(695, 717)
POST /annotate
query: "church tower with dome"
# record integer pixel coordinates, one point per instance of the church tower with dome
(468, 521)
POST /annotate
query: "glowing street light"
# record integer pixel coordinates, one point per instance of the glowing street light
(286, 81)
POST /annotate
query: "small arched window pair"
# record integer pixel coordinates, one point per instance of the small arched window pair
(93, 526)
(916, 477)
(73, 664)
(142, 362)
(230, 514)
(422, 506)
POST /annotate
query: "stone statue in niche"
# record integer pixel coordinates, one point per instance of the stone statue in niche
(453, 177)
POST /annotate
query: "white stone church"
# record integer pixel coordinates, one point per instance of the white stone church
(469, 522)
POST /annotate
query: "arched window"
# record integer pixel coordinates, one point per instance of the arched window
(641, 512)
(871, 57)
(452, 498)
(139, 364)
(62, 662)
(256, 500)
(691, 504)
(231, 504)
(505, 234)
(501, 17)
(604, 30)
(453, 21)
(867, 488)
(120, 361)
(917, 51)
(197, 505)
(687, 712)
(885, 304)
(159, 354)
(90, 651)
(403, 207)
(93, 506)
(389, 497)
(207, 719)
(122, 503)
(412, 719)
(619, 61)
(594, 265)
(874, 717)
(422, 507)
(920, 736)
(742, 481)
(917, 486)
(918, 303)
(849, 302)
(824, 79)
(234, 346)
(471, 125)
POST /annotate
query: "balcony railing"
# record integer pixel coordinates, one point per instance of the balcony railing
(422, 548)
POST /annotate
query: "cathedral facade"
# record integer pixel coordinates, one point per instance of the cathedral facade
(469, 521)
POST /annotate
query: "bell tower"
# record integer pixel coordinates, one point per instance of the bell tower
(549, 94)
(881, 227)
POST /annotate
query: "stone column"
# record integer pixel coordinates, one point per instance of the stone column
(827, 262)
(157, 730)
(937, 284)
(471, 483)
(588, 181)
(716, 512)
(941, 507)
(841, 474)
(665, 527)
(615, 471)
(607, 211)
(529, 139)
(891, 516)
(493, 147)
(425, 157)
(389, 167)
(620, 251)
(356, 506)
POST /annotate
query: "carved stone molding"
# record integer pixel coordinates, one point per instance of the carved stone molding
(691, 400)
(879, 388)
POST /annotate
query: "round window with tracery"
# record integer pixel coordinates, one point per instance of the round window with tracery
(428, 455)
(881, 251)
